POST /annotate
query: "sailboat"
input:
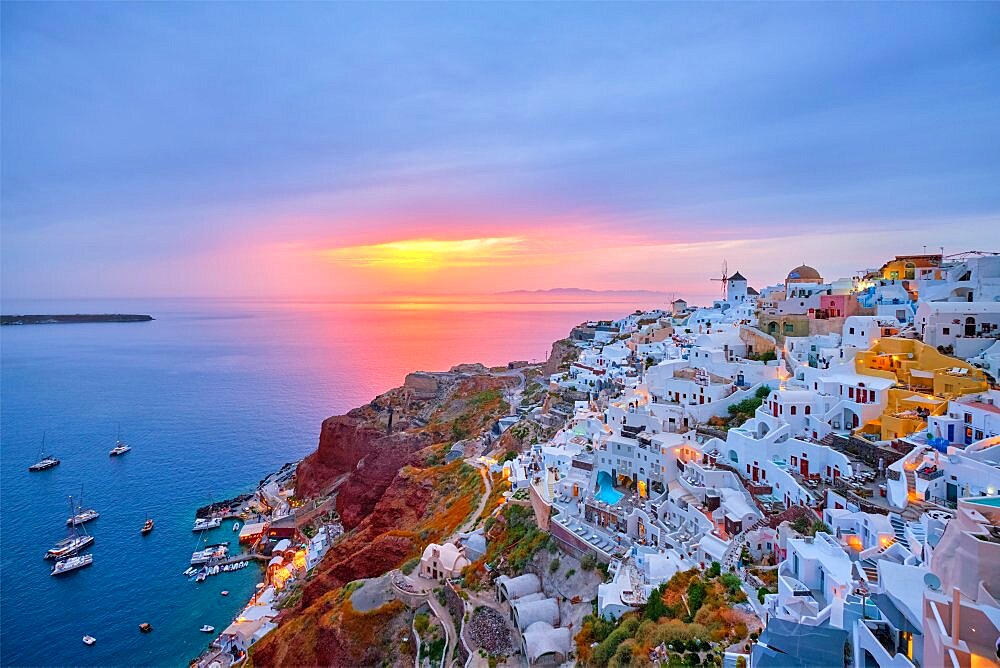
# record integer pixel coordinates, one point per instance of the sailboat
(76, 541)
(82, 516)
(45, 461)
(121, 447)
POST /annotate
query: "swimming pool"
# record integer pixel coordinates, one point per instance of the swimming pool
(606, 491)
(987, 501)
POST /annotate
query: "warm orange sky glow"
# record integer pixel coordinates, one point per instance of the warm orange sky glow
(429, 254)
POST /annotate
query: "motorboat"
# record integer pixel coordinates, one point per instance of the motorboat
(147, 527)
(201, 576)
(145, 627)
(236, 527)
(207, 629)
(217, 551)
(83, 516)
(72, 563)
(225, 593)
(206, 523)
(89, 640)
(191, 570)
(46, 462)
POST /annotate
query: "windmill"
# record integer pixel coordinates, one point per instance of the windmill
(725, 277)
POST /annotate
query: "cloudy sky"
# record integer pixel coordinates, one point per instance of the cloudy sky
(284, 149)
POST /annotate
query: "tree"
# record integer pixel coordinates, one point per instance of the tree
(696, 596)
(714, 569)
(655, 607)
(762, 392)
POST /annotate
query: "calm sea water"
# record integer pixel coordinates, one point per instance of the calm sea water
(212, 396)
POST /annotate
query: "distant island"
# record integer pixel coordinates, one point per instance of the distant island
(72, 318)
(586, 292)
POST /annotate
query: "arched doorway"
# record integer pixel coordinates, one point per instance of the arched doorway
(970, 326)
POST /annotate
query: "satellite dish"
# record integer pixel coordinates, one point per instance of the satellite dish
(932, 581)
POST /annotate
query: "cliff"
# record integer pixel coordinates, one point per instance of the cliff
(398, 496)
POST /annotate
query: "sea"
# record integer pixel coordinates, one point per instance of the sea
(212, 395)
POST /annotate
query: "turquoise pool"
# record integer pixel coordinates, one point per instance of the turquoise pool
(605, 489)
(988, 501)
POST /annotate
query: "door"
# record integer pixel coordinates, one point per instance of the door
(755, 473)
(951, 492)
(804, 467)
(951, 433)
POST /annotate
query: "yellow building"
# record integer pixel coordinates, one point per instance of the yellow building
(926, 380)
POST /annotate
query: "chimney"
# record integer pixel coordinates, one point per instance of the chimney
(956, 604)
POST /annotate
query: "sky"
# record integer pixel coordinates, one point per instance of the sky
(325, 150)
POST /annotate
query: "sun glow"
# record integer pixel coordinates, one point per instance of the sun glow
(429, 254)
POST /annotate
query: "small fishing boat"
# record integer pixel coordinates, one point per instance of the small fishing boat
(206, 523)
(121, 447)
(207, 629)
(83, 516)
(145, 627)
(89, 640)
(147, 527)
(225, 593)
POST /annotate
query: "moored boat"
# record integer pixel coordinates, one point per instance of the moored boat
(72, 563)
(121, 447)
(207, 629)
(216, 551)
(83, 516)
(206, 523)
(147, 527)
(69, 546)
(44, 461)
(89, 640)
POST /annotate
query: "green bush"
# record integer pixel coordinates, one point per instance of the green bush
(655, 607)
(763, 391)
(553, 566)
(731, 582)
(571, 572)
(589, 562)
(409, 565)
(761, 593)
(420, 622)
(607, 648)
(714, 570)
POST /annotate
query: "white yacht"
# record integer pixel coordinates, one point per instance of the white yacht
(72, 563)
(207, 629)
(83, 516)
(205, 523)
(121, 447)
(217, 551)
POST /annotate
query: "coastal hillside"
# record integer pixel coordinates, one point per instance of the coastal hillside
(395, 493)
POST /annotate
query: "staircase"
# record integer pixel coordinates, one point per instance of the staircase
(870, 567)
(911, 484)
(828, 440)
(898, 527)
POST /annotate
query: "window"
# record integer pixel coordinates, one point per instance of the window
(808, 409)
(968, 418)
(789, 328)
(793, 410)
(851, 330)
(946, 331)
